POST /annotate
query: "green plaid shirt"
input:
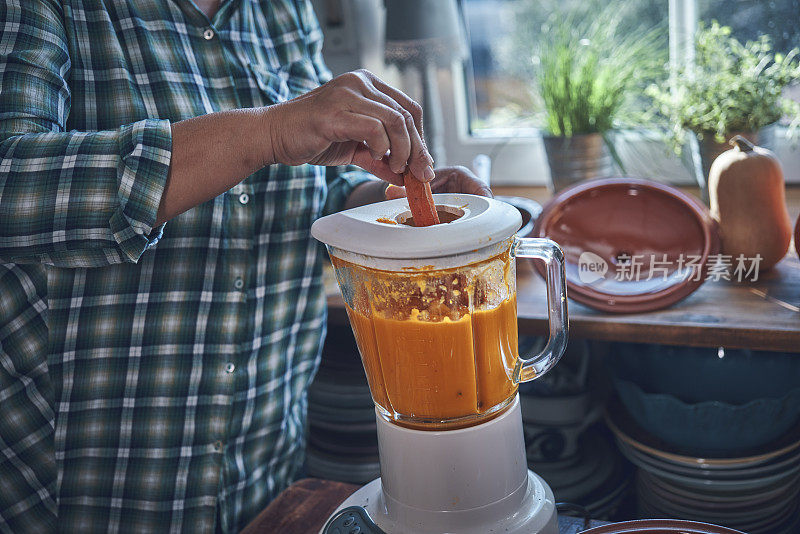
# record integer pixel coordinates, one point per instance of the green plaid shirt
(151, 379)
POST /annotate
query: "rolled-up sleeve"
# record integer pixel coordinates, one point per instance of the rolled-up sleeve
(70, 199)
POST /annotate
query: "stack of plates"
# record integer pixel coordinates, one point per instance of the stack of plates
(757, 492)
(595, 477)
(342, 437)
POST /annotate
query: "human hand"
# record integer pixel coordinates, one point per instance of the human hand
(449, 180)
(354, 119)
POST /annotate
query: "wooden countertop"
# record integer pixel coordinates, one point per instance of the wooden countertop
(762, 315)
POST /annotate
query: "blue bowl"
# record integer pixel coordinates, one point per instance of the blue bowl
(693, 399)
(711, 428)
(696, 375)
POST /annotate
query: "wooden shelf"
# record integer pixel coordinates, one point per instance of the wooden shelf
(762, 315)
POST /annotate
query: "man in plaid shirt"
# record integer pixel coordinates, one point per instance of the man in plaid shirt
(152, 375)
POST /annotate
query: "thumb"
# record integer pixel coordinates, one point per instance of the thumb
(395, 191)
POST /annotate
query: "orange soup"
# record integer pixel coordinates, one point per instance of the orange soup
(437, 370)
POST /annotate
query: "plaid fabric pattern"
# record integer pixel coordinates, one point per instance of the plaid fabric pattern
(151, 379)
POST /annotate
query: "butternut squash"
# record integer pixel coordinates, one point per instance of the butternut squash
(747, 195)
(797, 236)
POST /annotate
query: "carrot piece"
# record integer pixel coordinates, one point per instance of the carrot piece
(420, 200)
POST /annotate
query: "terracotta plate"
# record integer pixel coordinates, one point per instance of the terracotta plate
(661, 526)
(630, 245)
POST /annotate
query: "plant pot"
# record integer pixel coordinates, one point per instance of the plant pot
(709, 149)
(576, 158)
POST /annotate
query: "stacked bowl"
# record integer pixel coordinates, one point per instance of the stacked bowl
(714, 433)
(756, 493)
(342, 436)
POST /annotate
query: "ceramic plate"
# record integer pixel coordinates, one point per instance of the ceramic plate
(660, 526)
(699, 481)
(365, 443)
(743, 514)
(626, 430)
(355, 428)
(606, 222)
(569, 484)
(789, 461)
(752, 518)
(666, 493)
(776, 491)
(343, 416)
(610, 495)
(342, 468)
(343, 396)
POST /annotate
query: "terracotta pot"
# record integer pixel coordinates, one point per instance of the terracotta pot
(661, 526)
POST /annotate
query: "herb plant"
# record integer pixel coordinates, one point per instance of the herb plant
(588, 71)
(731, 87)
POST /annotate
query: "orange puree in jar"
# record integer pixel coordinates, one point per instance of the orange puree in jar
(438, 370)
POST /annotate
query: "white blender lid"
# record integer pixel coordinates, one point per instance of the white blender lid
(366, 230)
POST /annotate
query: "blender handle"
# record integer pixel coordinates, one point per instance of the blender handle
(550, 252)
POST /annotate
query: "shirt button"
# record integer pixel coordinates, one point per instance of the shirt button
(238, 283)
(218, 446)
(208, 34)
(230, 367)
(244, 198)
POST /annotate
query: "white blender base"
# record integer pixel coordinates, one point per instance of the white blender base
(536, 514)
(471, 480)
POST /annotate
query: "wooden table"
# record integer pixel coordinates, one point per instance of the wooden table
(304, 507)
(762, 315)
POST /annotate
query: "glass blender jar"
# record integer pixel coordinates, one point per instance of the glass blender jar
(433, 309)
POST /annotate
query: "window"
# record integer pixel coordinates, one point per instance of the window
(503, 37)
(496, 111)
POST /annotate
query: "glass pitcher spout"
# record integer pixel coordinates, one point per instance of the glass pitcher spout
(553, 257)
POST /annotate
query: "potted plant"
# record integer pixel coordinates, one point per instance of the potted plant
(731, 89)
(587, 74)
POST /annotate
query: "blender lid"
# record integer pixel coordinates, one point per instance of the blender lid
(377, 230)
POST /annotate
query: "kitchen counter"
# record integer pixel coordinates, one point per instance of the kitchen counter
(761, 315)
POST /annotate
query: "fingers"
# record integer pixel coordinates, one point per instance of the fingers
(459, 180)
(379, 168)
(396, 127)
(448, 180)
(401, 98)
(419, 159)
(403, 124)
(358, 127)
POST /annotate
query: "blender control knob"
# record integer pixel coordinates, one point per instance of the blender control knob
(352, 520)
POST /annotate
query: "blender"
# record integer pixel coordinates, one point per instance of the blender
(433, 311)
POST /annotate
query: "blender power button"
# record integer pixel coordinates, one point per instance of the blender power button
(352, 520)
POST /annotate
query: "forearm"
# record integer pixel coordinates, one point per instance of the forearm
(211, 154)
